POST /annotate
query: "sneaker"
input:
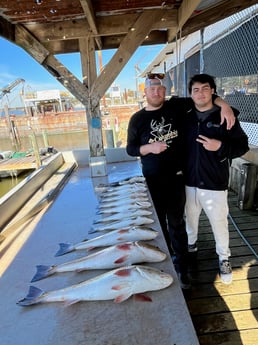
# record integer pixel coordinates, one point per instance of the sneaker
(184, 281)
(192, 248)
(225, 271)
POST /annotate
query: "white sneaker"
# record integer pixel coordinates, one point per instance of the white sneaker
(225, 272)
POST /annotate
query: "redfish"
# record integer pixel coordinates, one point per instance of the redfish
(119, 255)
(118, 285)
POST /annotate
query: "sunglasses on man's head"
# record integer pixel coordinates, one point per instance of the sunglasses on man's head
(155, 75)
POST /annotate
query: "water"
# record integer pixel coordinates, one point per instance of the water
(60, 141)
(7, 183)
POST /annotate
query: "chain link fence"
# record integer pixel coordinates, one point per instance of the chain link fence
(228, 50)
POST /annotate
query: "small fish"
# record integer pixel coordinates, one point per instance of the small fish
(118, 285)
(123, 215)
(121, 208)
(122, 224)
(129, 180)
(133, 195)
(118, 255)
(109, 239)
(136, 187)
(123, 192)
(121, 202)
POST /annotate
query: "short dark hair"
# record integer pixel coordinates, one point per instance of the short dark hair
(202, 78)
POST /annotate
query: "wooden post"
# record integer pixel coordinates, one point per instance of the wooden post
(35, 149)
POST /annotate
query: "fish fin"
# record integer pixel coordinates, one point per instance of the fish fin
(121, 259)
(124, 272)
(42, 272)
(92, 230)
(125, 246)
(122, 297)
(71, 302)
(64, 248)
(142, 297)
(32, 296)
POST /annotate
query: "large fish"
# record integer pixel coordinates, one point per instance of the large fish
(121, 208)
(119, 255)
(122, 215)
(113, 237)
(118, 285)
(121, 224)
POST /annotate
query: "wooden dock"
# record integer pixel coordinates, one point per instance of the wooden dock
(227, 314)
(14, 166)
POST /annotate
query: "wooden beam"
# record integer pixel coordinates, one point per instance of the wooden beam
(130, 43)
(7, 30)
(29, 43)
(209, 17)
(66, 78)
(89, 12)
(185, 11)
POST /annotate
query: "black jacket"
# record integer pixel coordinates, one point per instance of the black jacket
(208, 169)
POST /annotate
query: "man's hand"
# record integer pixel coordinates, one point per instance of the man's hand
(226, 112)
(156, 148)
(228, 115)
(209, 144)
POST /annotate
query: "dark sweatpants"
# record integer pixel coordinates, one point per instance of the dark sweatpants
(168, 195)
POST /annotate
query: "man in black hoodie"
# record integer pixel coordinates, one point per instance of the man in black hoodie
(155, 134)
(210, 149)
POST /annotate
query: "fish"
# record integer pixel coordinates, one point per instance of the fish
(121, 224)
(120, 208)
(137, 187)
(136, 233)
(117, 285)
(129, 180)
(120, 202)
(133, 195)
(122, 215)
(118, 255)
(123, 192)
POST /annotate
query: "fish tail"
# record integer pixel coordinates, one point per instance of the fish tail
(64, 249)
(32, 297)
(42, 272)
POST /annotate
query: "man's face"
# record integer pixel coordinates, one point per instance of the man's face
(202, 95)
(155, 95)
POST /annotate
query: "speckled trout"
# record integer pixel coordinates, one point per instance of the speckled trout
(119, 255)
(121, 208)
(122, 215)
(121, 224)
(134, 233)
(118, 285)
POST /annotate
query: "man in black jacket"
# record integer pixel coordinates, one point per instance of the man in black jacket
(155, 134)
(210, 149)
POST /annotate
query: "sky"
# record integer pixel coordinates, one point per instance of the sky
(16, 63)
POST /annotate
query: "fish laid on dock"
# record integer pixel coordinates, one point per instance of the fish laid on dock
(122, 224)
(129, 180)
(119, 255)
(118, 285)
(109, 239)
(132, 195)
(118, 192)
(121, 208)
(121, 202)
(122, 215)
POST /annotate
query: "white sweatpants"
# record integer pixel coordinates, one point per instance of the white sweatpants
(215, 205)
